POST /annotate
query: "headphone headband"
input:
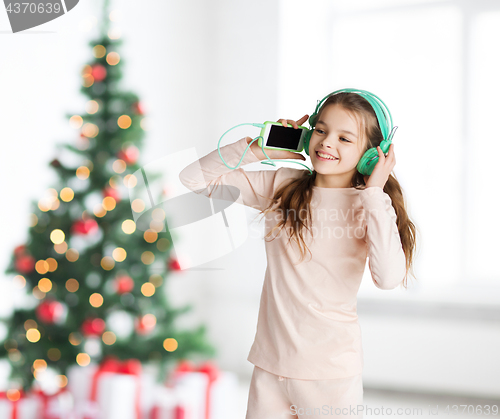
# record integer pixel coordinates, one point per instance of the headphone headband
(381, 110)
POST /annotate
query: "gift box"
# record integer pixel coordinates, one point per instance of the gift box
(58, 405)
(110, 390)
(208, 392)
(168, 404)
(26, 406)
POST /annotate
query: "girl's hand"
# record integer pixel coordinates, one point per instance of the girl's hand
(278, 154)
(382, 169)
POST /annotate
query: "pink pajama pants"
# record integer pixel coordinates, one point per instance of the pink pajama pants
(275, 397)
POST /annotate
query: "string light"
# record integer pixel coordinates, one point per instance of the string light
(82, 172)
(119, 254)
(19, 281)
(158, 214)
(42, 267)
(124, 121)
(54, 354)
(128, 226)
(138, 205)
(150, 236)
(170, 344)
(30, 324)
(109, 203)
(39, 295)
(75, 338)
(163, 244)
(107, 263)
(108, 338)
(99, 51)
(91, 107)
(90, 130)
(148, 289)
(83, 359)
(114, 181)
(45, 285)
(40, 364)
(119, 166)
(147, 257)
(113, 58)
(57, 236)
(63, 380)
(99, 211)
(130, 181)
(52, 264)
(156, 280)
(33, 220)
(13, 394)
(61, 247)
(72, 285)
(33, 335)
(96, 300)
(72, 255)
(76, 121)
(67, 194)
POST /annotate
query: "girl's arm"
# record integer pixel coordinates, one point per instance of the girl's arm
(387, 260)
(209, 175)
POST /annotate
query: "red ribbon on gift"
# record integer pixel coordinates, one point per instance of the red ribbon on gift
(208, 368)
(113, 364)
(45, 399)
(3, 395)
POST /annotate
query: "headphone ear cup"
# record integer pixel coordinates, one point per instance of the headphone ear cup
(307, 139)
(312, 119)
(367, 163)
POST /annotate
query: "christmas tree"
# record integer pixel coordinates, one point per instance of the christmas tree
(96, 261)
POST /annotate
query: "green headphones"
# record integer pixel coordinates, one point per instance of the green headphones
(367, 163)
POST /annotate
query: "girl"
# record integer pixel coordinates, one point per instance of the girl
(307, 353)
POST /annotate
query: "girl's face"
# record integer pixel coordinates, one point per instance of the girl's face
(336, 133)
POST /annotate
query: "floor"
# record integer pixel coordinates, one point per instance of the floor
(411, 405)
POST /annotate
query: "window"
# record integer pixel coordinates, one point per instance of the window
(435, 65)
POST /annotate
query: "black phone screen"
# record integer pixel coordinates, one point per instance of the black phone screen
(284, 137)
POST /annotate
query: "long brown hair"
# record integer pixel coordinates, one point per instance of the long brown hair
(294, 197)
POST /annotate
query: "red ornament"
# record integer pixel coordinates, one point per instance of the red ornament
(99, 72)
(49, 311)
(130, 155)
(25, 264)
(89, 226)
(137, 108)
(173, 265)
(93, 327)
(124, 284)
(113, 193)
(20, 250)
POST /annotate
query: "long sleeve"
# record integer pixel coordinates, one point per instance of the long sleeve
(206, 175)
(387, 261)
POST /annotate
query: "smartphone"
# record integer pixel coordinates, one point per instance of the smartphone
(276, 136)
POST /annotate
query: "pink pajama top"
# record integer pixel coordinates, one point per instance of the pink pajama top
(308, 325)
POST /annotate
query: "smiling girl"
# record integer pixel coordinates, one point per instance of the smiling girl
(307, 353)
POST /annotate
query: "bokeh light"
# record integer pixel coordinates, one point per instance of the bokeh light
(170, 344)
(57, 236)
(128, 226)
(148, 289)
(72, 285)
(96, 300)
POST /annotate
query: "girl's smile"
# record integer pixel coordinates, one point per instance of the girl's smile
(335, 147)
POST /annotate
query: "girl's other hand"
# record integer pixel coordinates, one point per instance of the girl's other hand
(278, 154)
(382, 169)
